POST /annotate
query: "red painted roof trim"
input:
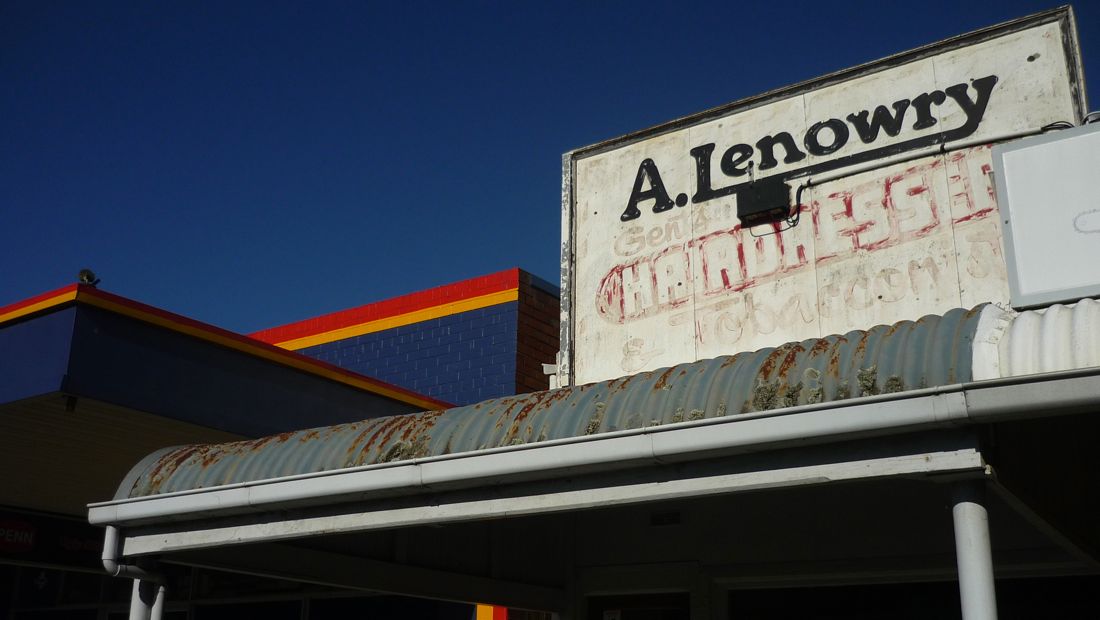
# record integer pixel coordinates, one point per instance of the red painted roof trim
(474, 287)
(37, 299)
(89, 295)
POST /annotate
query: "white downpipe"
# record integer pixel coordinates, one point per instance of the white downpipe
(147, 601)
(139, 610)
(147, 596)
(115, 568)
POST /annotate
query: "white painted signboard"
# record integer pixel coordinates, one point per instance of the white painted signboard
(658, 270)
(1049, 199)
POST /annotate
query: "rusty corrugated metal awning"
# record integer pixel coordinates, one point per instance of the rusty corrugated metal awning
(935, 350)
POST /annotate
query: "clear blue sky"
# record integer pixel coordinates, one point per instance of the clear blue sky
(250, 164)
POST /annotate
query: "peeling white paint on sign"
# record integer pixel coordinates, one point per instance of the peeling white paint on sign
(658, 269)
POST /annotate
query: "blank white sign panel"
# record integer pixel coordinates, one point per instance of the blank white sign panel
(1048, 191)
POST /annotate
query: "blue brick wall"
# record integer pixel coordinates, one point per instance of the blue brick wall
(462, 358)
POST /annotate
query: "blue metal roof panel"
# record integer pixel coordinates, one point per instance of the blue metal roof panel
(934, 350)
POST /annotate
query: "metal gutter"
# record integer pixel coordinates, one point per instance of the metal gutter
(941, 407)
(953, 460)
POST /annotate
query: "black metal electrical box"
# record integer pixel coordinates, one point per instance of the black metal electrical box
(763, 201)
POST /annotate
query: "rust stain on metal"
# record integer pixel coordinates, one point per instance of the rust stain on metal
(769, 363)
(381, 435)
(208, 456)
(280, 438)
(791, 359)
(408, 430)
(861, 346)
(821, 346)
(556, 395)
(532, 401)
(403, 427)
(392, 438)
(730, 360)
(662, 381)
(166, 466)
(833, 367)
(421, 424)
(506, 413)
(370, 436)
(619, 385)
(357, 441)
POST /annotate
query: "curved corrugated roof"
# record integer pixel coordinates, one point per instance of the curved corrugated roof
(962, 345)
(935, 350)
(1058, 337)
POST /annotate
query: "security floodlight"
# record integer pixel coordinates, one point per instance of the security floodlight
(763, 202)
(87, 276)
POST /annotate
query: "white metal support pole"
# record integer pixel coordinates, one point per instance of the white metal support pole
(157, 612)
(147, 601)
(139, 607)
(973, 552)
